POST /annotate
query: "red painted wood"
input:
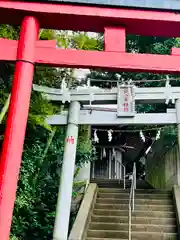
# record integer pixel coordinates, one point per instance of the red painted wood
(115, 39)
(45, 44)
(175, 51)
(88, 18)
(16, 123)
(109, 60)
(97, 59)
(8, 48)
(40, 43)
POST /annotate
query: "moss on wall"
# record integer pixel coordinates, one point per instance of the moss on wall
(161, 165)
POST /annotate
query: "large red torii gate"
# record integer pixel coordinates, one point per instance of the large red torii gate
(115, 23)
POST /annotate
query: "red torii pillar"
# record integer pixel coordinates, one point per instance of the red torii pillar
(16, 122)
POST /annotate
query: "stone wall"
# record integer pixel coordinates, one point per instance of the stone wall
(84, 173)
(162, 164)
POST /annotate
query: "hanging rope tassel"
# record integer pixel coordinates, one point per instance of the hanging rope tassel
(104, 152)
(110, 135)
(96, 139)
(142, 136)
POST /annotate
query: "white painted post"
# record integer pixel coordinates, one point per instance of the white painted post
(178, 132)
(93, 167)
(119, 158)
(121, 169)
(110, 164)
(115, 166)
(65, 190)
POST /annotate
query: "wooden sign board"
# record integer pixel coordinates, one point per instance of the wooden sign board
(125, 101)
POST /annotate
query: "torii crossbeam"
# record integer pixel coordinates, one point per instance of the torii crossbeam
(109, 96)
(84, 18)
(110, 118)
(94, 115)
(115, 23)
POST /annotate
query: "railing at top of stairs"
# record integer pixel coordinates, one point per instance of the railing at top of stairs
(131, 199)
(124, 174)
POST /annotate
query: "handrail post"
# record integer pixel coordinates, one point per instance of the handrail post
(129, 223)
(132, 199)
(135, 175)
(124, 178)
(124, 172)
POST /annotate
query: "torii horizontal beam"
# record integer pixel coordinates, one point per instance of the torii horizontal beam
(92, 19)
(96, 19)
(96, 59)
(110, 118)
(104, 96)
(8, 48)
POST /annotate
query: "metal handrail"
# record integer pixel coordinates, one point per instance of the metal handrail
(131, 198)
(124, 173)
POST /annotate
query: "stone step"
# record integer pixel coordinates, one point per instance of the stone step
(141, 191)
(135, 220)
(104, 238)
(137, 201)
(142, 207)
(135, 235)
(115, 182)
(102, 180)
(141, 184)
(113, 186)
(137, 195)
(145, 214)
(134, 227)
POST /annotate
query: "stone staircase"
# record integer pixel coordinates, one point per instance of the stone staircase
(153, 218)
(114, 183)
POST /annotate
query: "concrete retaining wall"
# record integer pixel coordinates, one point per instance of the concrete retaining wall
(176, 194)
(81, 223)
(162, 166)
